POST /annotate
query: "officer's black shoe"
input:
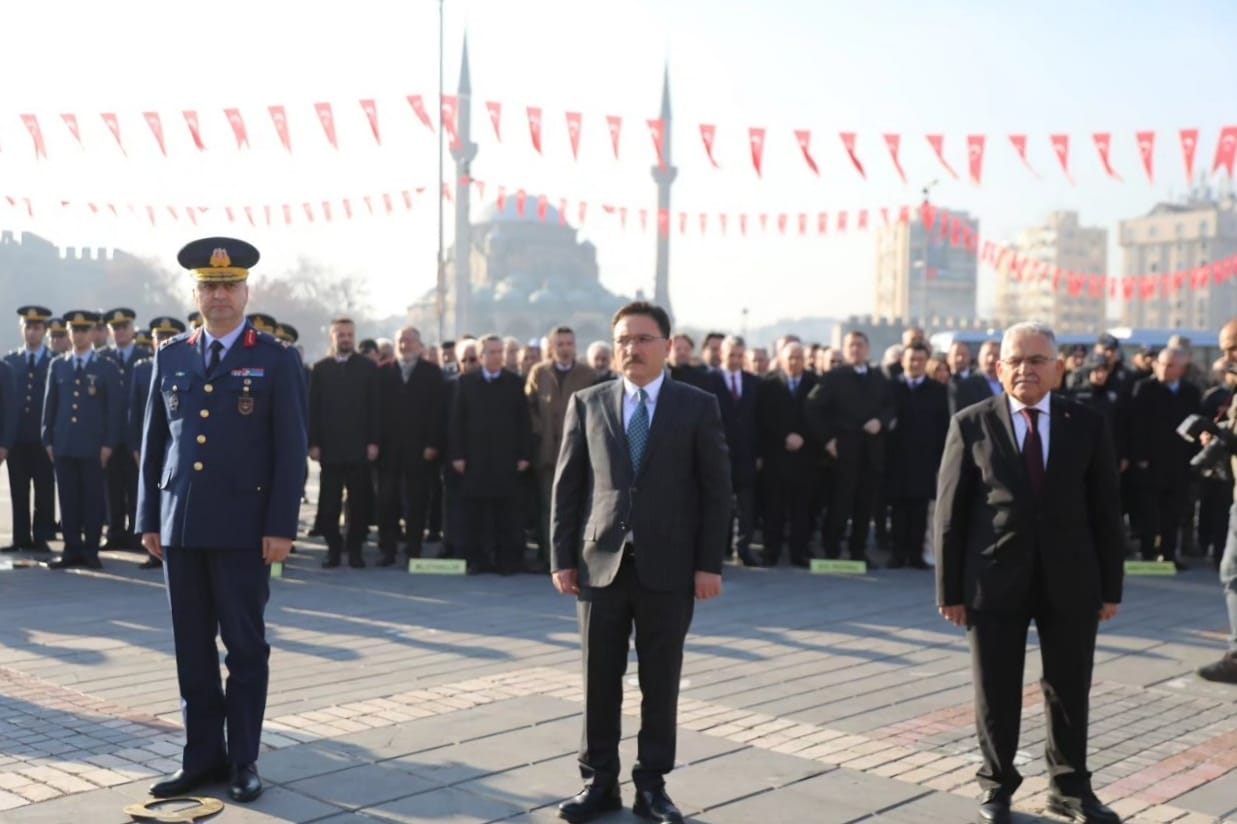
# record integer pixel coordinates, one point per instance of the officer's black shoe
(356, 561)
(1223, 671)
(1086, 809)
(655, 805)
(183, 783)
(10, 548)
(895, 563)
(64, 563)
(993, 808)
(92, 563)
(331, 562)
(388, 559)
(918, 563)
(245, 785)
(151, 563)
(592, 801)
(750, 559)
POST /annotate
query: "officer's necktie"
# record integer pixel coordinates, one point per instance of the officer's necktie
(32, 362)
(1033, 450)
(78, 372)
(638, 431)
(216, 353)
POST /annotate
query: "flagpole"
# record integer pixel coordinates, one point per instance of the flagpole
(441, 287)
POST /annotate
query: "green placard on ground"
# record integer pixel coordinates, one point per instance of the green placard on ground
(1150, 568)
(277, 569)
(826, 566)
(437, 566)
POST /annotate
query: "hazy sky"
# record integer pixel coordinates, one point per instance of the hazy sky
(870, 67)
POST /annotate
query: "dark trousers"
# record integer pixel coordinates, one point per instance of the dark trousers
(492, 522)
(29, 466)
(437, 507)
(910, 525)
(80, 481)
(121, 496)
(1159, 520)
(219, 592)
(742, 520)
(355, 477)
(854, 495)
(545, 493)
(998, 654)
(788, 501)
(1215, 499)
(404, 490)
(661, 621)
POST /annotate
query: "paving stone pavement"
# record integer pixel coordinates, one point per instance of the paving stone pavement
(398, 698)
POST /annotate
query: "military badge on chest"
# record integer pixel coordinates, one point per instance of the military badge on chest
(244, 404)
(92, 387)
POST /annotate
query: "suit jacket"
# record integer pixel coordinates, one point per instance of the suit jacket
(413, 414)
(991, 533)
(31, 387)
(9, 408)
(697, 376)
(778, 414)
(344, 411)
(973, 389)
(739, 423)
(223, 451)
(1155, 413)
(547, 406)
(842, 402)
(83, 415)
(490, 430)
(676, 507)
(916, 441)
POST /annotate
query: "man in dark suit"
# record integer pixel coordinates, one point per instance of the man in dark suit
(412, 394)
(680, 363)
(1159, 456)
(789, 455)
(959, 358)
(642, 502)
(344, 419)
(29, 465)
(914, 447)
(984, 382)
(736, 392)
(850, 412)
(1028, 526)
(490, 440)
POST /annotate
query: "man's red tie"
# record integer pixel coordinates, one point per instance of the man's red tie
(1033, 451)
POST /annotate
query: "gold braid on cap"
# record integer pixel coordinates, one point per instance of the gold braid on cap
(221, 269)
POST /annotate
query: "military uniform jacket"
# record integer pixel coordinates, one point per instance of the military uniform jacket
(139, 393)
(223, 452)
(8, 406)
(82, 414)
(127, 368)
(31, 386)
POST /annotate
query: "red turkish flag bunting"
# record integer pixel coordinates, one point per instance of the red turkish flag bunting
(764, 221)
(657, 131)
(574, 123)
(279, 116)
(521, 202)
(70, 120)
(894, 141)
(663, 222)
(450, 115)
(1189, 145)
(543, 206)
(388, 203)
(975, 156)
(1019, 142)
(614, 124)
(848, 141)
(309, 212)
(781, 223)
(370, 107)
(722, 220)
(1103, 145)
(36, 134)
(682, 223)
(534, 126)
(937, 142)
(1225, 150)
(369, 201)
(804, 137)
(418, 108)
(756, 137)
(496, 118)
(195, 128)
(407, 195)
(1060, 146)
(708, 133)
(287, 214)
(583, 212)
(326, 210)
(326, 116)
(623, 217)
(1146, 148)
(238, 127)
(840, 221)
(113, 126)
(822, 223)
(704, 223)
(863, 220)
(156, 128)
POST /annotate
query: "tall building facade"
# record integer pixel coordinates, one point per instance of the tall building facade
(1060, 241)
(1174, 237)
(921, 274)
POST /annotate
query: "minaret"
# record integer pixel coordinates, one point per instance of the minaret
(463, 153)
(664, 176)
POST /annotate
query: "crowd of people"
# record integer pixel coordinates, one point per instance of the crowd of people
(456, 444)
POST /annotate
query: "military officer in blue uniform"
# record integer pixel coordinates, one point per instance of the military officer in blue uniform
(82, 422)
(122, 469)
(223, 456)
(162, 329)
(29, 465)
(58, 337)
(142, 340)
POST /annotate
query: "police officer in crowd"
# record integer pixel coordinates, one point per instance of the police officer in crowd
(28, 463)
(223, 460)
(58, 336)
(83, 415)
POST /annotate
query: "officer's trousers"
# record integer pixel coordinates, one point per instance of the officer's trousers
(80, 481)
(30, 466)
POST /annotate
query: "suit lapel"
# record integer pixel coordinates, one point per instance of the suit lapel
(1003, 433)
(612, 404)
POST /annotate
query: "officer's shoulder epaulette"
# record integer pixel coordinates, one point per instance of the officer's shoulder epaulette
(181, 338)
(271, 340)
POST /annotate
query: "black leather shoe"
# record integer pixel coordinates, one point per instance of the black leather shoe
(183, 783)
(388, 559)
(655, 805)
(590, 802)
(151, 563)
(64, 563)
(895, 563)
(918, 563)
(993, 808)
(245, 785)
(92, 563)
(10, 548)
(1084, 810)
(1223, 671)
(356, 561)
(331, 562)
